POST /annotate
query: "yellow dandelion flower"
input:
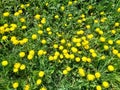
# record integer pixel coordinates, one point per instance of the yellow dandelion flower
(88, 26)
(34, 36)
(90, 36)
(84, 59)
(118, 55)
(80, 32)
(46, 4)
(20, 11)
(98, 87)
(61, 56)
(70, 3)
(90, 77)
(6, 14)
(97, 75)
(111, 68)
(40, 52)
(22, 54)
(105, 84)
(77, 59)
(40, 32)
(102, 13)
(57, 53)
(106, 47)
(62, 8)
(81, 72)
(27, 87)
(118, 42)
(43, 21)
(102, 39)
(79, 21)
(82, 16)
(74, 50)
(100, 32)
(4, 63)
(68, 68)
(94, 55)
(22, 67)
(51, 58)
(30, 57)
(31, 52)
(115, 52)
(16, 14)
(15, 85)
(72, 56)
(50, 33)
(43, 41)
(48, 29)
(65, 72)
(62, 41)
(113, 31)
(37, 16)
(4, 37)
(68, 56)
(22, 6)
(96, 21)
(61, 47)
(103, 19)
(55, 57)
(90, 7)
(89, 60)
(22, 19)
(118, 10)
(5, 25)
(25, 40)
(24, 27)
(103, 57)
(27, 4)
(55, 45)
(117, 24)
(41, 73)
(17, 65)
(15, 70)
(69, 44)
(43, 88)
(110, 42)
(39, 81)
(56, 16)
(91, 50)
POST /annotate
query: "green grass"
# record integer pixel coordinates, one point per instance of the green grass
(103, 15)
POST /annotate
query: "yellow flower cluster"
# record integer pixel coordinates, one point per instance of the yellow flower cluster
(39, 81)
(7, 28)
(18, 66)
(82, 43)
(68, 69)
(15, 41)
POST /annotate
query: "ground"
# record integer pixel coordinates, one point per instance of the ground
(59, 45)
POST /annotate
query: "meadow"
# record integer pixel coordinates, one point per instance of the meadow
(59, 44)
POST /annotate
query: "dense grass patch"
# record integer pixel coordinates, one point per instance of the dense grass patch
(59, 45)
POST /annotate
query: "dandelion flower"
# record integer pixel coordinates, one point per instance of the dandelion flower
(90, 77)
(4, 63)
(39, 81)
(111, 68)
(15, 85)
(22, 54)
(105, 84)
(41, 73)
(6, 14)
